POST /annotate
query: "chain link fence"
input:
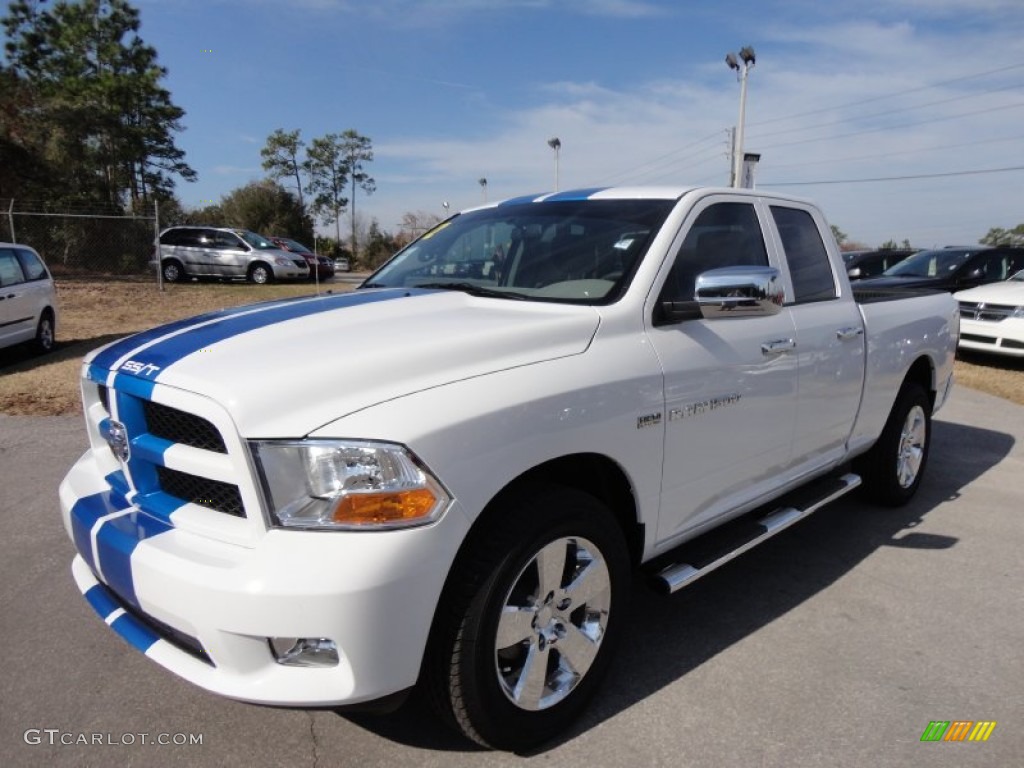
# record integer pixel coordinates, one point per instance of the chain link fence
(82, 243)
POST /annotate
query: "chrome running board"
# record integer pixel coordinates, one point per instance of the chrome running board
(700, 557)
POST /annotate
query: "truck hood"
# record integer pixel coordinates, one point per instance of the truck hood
(939, 283)
(285, 368)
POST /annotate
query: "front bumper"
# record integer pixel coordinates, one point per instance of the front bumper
(290, 273)
(1005, 337)
(204, 609)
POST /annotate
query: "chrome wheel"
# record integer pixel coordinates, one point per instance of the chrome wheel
(912, 447)
(260, 274)
(523, 634)
(552, 623)
(172, 272)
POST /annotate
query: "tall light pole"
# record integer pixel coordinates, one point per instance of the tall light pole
(556, 144)
(483, 186)
(742, 67)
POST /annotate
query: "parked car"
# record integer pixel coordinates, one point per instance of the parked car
(28, 299)
(226, 253)
(992, 317)
(862, 264)
(342, 264)
(950, 269)
(319, 265)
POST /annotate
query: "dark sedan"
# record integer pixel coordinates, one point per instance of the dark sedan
(323, 265)
(950, 269)
(862, 264)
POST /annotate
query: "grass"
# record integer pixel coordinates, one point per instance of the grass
(96, 312)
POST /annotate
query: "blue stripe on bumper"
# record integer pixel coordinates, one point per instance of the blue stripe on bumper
(117, 537)
(127, 626)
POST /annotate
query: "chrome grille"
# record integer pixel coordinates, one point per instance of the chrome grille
(992, 313)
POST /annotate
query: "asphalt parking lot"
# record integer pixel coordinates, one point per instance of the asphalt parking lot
(834, 644)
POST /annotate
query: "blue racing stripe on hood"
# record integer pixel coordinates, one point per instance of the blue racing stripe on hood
(575, 194)
(523, 199)
(200, 332)
(106, 359)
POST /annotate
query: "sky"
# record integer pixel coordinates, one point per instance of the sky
(903, 119)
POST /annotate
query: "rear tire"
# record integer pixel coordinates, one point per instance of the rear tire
(526, 628)
(893, 468)
(45, 337)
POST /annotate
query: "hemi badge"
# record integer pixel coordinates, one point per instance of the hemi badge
(650, 420)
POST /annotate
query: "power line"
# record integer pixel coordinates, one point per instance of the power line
(637, 170)
(644, 169)
(893, 127)
(889, 95)
(975, 172)
(900, 153)
(889, 112)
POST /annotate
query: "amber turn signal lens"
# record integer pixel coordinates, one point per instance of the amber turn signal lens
(376, 508)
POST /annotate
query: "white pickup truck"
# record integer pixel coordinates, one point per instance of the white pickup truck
(449, 476)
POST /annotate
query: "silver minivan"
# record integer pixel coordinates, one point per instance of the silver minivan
(28, 299)
(226, 253)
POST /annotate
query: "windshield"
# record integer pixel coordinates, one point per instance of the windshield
(576, 251)
(255, 240)
(294, 245)
(930, 264)
(1019, 277)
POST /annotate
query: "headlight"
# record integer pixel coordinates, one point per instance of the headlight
(346, 485)
(1018, 312)
(282, 262)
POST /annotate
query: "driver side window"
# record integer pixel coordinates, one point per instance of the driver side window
(724, 235)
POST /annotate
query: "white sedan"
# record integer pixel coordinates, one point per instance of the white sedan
(992, 317)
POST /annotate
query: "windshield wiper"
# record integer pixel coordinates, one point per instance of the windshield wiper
(475, 290)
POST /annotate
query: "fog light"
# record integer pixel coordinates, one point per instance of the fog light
(304, 651)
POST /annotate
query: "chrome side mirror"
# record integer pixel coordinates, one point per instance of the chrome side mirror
(740, 292)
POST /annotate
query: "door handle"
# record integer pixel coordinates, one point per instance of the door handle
(845, 334)
(778, 346)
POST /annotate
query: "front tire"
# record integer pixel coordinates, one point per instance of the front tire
(892, 470)
(174, 272)
(261, 274)
(526, 629)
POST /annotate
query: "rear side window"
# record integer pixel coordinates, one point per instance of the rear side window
(808, 260)
(188, 237)
(31, 265)
(10, 269)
